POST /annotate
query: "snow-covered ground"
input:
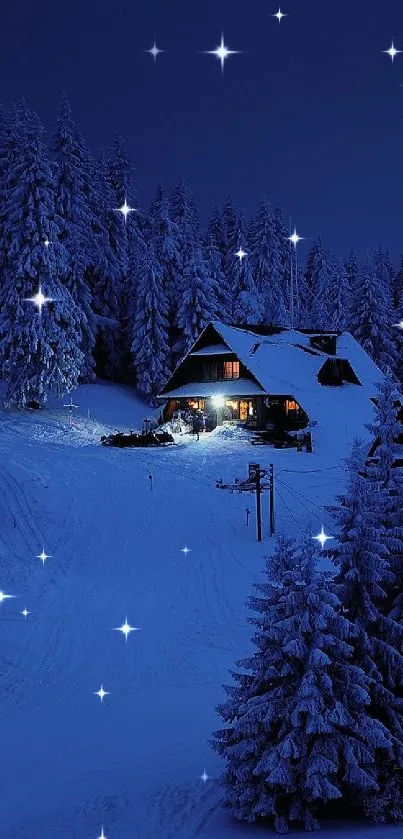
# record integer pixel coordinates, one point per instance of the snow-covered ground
(70, 763)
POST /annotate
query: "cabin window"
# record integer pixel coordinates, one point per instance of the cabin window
(290, 405)
(246, 409)
(210, 371)
(231, 370)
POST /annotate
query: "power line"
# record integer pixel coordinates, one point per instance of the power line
(299, 496)
(289, 511)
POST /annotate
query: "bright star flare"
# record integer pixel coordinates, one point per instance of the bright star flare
(101, 693)
(102, 836)
(322, 538)
(46, 243)
(240, 254)
(204, 777)
(399, 325)
(279, 15)
(5, 596)
(25, 612)
(126, 629)
(154, 51)
(392, 52)
(185, 550)
(295, 238)
(125, 210)
(222, 52)
(39, 300)
(43, 556)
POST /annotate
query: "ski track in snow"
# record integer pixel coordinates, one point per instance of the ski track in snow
(69, 763)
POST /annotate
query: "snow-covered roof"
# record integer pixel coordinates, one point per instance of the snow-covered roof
(214, 349)
(229, 388)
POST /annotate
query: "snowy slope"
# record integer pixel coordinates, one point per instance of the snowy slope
(69, 763)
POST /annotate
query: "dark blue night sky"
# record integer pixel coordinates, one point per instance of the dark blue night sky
(310, 115)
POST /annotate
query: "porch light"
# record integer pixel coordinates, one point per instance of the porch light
(218, 401)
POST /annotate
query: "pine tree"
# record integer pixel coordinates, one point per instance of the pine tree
(331, 289)
(397, 289)
(246, 304)
(73, 204)
(364, 580)
(370, 319)
(384, 269)
(162, 234)
(298, 731)
(386, 430)
(267, 262)
(216, 245)
(184, 214)
(150, 334)
(213, 262)
(199, 302)
(40, 351)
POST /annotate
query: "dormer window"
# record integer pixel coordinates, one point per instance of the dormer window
(231, 370)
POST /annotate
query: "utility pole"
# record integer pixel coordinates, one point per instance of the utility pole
(255, 474)
(271, 500)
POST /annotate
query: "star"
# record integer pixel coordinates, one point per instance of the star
(241, 254)
(126, 629)
(392, 52)
(125, 210)
(39, 299)
(46, 243)
(154, 51)
(43, 556)
(101, 693)
(322, 538)
(295, 238)
(222, 52)
(5, 596)
(399, 325)
(25, 613)
(279, 15)
(204, 777)
(102, 836)
(185, 550)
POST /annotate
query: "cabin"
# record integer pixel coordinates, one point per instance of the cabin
(272, 377)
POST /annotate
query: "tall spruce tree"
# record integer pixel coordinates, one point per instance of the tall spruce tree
(162, 234)
(247, 306)
(150, 332)
(381, 469)
(213, 263)
(75, 221)
(298, 729)
(216, 245)
(364, 579)
(267, 261)
(199, 301)
(370, 318)
(39, 350)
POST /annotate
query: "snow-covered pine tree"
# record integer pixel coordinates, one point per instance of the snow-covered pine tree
(298, 731)
(387, 432)
(384, 268)
(150, 333)
(285, 251)
(267, 262)
(212, 258)
(370, 318)
(184, 214)
(7, 146)
(216, 243)
(332, 292)
(162, 234)
(40, 351)
(75, 221)
(308, 284)
(199, 300)
(363, 582)
(247, 305)
(126, 240)
(397, 289)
